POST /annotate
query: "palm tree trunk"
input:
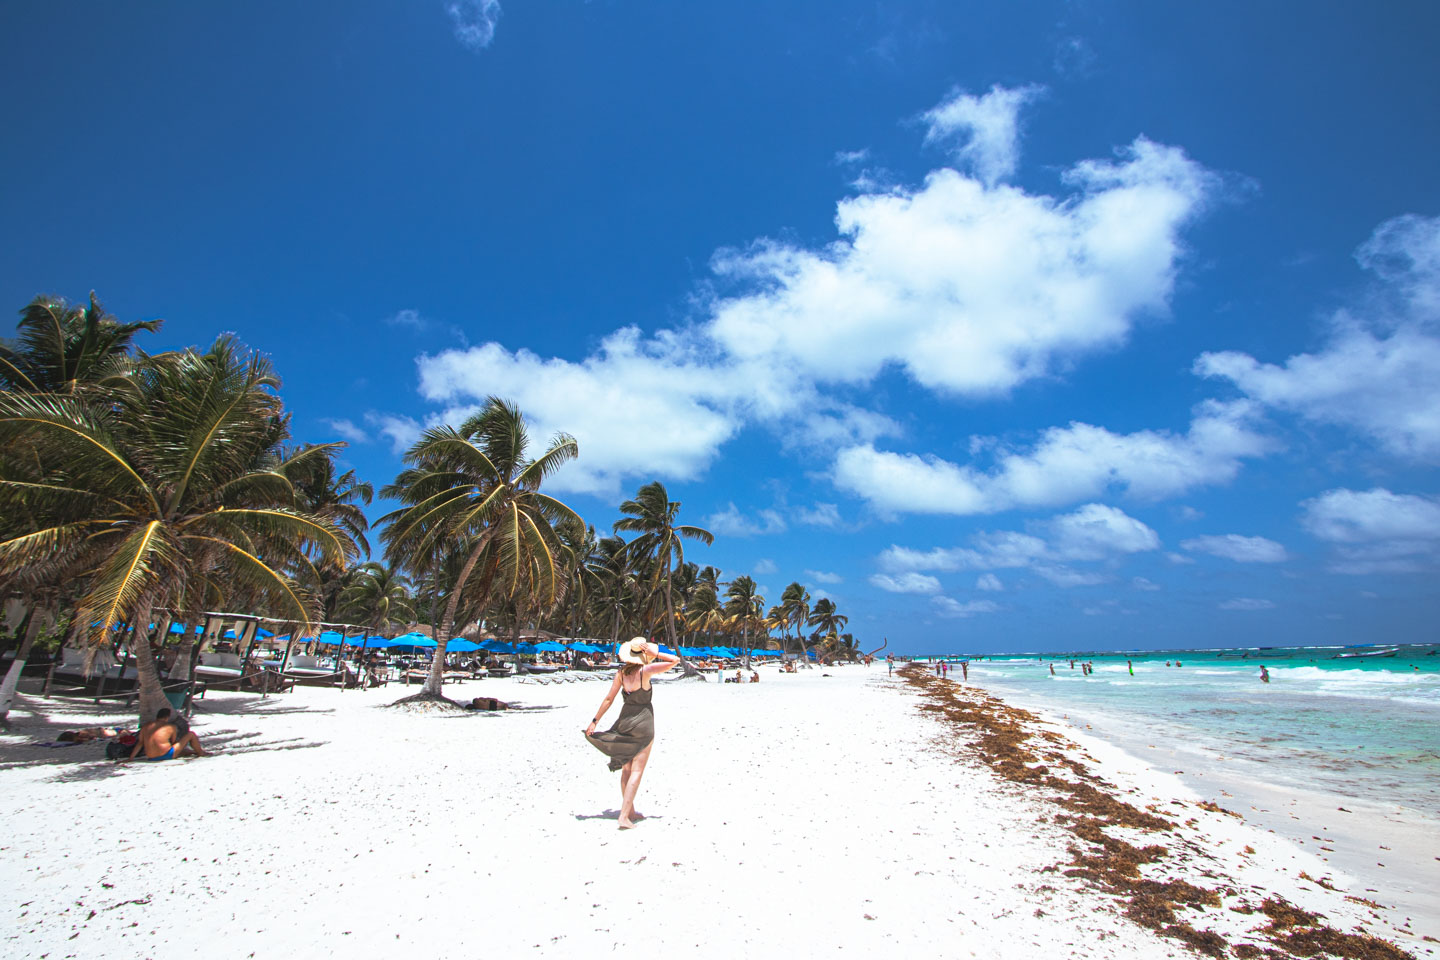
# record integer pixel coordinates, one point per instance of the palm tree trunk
(152, 694)
(685, 665)
(447, 623)
(17, 666)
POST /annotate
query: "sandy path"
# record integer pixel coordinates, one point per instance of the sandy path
(802, 815)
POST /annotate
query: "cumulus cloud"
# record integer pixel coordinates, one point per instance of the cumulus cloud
(989, 582)
(821, 576)
(1378, 374)
(1246, 603)
(981, 132)
(1232, 546)
(402, 431)
(474, 22)
(348, 430)
(730, 522)
(820, 515)
(764, 566)
(1094, 532)
(966, 287)
(906, 583)
(1065, 465)
(950, 607)
(1376, 531)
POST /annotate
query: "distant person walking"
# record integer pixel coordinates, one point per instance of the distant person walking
(1264, 674)
(1131, 666)
(890, 662)
(628, 742)
(1052, 669)
(965, 669)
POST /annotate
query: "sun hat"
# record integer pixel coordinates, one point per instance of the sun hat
(636, 650)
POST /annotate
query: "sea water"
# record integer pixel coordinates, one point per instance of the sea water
(1364, 728)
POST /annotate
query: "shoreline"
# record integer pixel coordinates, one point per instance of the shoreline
(805, 814)
(1355, 835)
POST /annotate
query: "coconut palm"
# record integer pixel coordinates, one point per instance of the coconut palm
(378, 597)
(474, 484)
(743, 605)
(63, 348)
(171, 492)
(795, 607)
(660, 540)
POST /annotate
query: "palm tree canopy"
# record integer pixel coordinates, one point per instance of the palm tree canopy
(60, 346)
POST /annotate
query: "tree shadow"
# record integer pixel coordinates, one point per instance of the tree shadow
(220, 744)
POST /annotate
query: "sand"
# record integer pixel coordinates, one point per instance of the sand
(804, 815)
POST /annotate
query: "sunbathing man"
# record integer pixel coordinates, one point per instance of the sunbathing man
(161, 739)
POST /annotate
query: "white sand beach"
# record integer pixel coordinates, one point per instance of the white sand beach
(805, 815)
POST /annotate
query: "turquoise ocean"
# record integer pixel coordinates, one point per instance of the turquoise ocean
(1360, 727)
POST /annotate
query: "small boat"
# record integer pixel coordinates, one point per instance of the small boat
(1364, 655)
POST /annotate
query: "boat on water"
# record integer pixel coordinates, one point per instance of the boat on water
(1364, 654)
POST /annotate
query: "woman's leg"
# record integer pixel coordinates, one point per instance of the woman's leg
(624, 782)
(632, 786)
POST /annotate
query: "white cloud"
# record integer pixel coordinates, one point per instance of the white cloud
(1094, 532)
(821, 576)
(407, 318)
(848, 157)
(730, 522)
(635, 407)
(1067, 577)
(967, 289)
(982, 132)
(1188, 513)
(1140, 583)
(1246, 603)
(820, 515)
(906, 583)
(1232, 546)
(402, 431)
(1377, 531)
(348, 430)
(764, 566)
(948, 607)
(1179, 558)
(989, 582)
(1066, 465)
(1378, 375)
(474, 21)
(1355, 516)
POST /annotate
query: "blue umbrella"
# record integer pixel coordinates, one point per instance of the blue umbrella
(413, 639)
(550, 646)
(374, 643)
(499, 646)
(461, 645)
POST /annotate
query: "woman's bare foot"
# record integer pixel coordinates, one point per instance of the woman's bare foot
(626, 824)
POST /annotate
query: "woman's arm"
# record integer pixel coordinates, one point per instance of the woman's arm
(604, 704)
(661, 663)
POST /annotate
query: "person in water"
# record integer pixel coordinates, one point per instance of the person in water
(1264, 674)
(628, 742)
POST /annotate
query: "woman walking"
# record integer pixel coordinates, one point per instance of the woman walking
(628, 742)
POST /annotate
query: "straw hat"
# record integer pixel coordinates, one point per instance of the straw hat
(635, 651)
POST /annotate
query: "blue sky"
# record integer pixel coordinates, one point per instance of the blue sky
(1009, 326)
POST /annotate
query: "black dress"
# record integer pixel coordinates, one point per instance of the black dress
(631, 733)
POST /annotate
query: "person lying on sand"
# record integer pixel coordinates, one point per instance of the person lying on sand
(86, 734)
(163, 739)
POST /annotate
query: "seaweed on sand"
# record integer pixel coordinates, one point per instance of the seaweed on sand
(1009, 741)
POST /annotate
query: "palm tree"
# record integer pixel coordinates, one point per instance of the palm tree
(168, 494)
(652, 516)
(795, 605)
(474, 484)
(743, 605)
(63, 349)
(826, 619)
(378, 597)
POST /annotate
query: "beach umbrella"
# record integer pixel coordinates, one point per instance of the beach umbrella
(373, 643)
(461, 645)
(414, 639)
(550, 646)
(503, 646)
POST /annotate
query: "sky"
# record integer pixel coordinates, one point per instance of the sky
(1024, 326)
